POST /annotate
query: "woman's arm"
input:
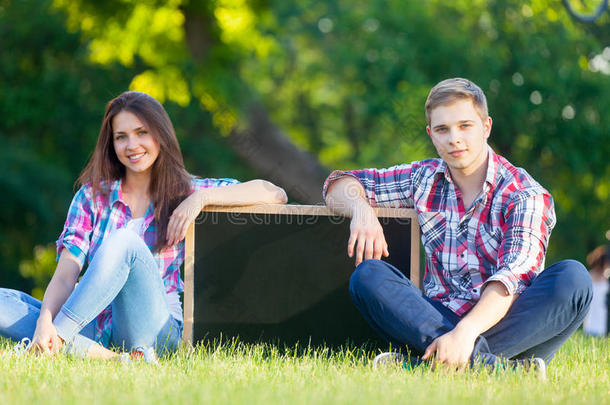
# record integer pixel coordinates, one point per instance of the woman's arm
(249, 193)
(59, 289)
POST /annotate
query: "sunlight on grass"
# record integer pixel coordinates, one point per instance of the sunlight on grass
(233, 372)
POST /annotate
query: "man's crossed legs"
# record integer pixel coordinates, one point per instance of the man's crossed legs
(540, 320)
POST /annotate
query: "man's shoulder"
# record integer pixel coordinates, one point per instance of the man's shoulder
(515, 182)
(427, 167)
(417, 167)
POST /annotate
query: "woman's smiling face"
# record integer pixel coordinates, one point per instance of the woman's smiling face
(134, 144)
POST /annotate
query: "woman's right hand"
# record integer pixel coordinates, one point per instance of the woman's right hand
(45, 339)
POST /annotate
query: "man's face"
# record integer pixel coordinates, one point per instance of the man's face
(459, 135)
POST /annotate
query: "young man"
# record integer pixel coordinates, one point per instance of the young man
(485, 226)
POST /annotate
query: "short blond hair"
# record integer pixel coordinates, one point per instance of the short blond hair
(450, 90)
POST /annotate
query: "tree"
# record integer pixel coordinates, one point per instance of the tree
(348, 79)
(296, 87)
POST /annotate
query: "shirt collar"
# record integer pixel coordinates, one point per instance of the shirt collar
(443, 169)
(116, 194)
(492, 169)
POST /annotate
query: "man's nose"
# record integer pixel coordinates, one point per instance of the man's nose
(454, 136)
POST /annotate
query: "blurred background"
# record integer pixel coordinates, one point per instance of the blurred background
(289, 89)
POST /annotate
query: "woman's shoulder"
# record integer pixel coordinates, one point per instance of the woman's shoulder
(84, 192)
(105, 189)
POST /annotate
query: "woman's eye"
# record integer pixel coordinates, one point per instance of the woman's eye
(142, 133)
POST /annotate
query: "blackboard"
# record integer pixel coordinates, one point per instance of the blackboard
(280, 273)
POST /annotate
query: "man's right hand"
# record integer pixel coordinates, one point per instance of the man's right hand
(46, 339)
(366, 235)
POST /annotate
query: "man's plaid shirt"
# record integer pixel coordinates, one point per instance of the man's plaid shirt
(503, 236)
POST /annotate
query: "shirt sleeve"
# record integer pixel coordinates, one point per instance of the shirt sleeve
(389, 187)
(529, 222)
(76, 235)
(199, 184)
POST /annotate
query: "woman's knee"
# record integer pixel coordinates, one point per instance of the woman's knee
(122, 238)
(123, 243)
(120, 247)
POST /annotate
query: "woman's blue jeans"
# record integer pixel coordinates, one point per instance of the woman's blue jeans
(122, 274)
(536, 325)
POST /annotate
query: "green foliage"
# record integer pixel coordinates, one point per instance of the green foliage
(40, 268)
(346, 80)
(52, 100)
(349, 80)
(51, 103)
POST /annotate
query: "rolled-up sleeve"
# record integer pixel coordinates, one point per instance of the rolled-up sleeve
(76, 235)
(199, 184)
(529, 220)
(389, 187)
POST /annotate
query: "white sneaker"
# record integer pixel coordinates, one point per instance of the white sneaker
(388, 359)
(22, 347)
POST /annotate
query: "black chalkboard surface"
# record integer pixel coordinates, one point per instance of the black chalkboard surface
(280, 273)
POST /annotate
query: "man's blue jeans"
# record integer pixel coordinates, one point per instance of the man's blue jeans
(123, 274)
(536, 325)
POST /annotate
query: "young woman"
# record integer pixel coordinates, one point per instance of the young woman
(127, 221)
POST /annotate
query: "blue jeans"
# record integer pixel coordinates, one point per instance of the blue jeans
(122, 274)
(536, 325)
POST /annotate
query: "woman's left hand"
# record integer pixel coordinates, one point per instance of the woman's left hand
(182, 217)
(248, 193)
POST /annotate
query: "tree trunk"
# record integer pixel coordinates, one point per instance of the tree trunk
(262, 144)
(264, 147)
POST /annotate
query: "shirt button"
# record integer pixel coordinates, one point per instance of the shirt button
(462, 255)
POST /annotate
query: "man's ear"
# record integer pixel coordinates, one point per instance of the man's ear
(487, 126)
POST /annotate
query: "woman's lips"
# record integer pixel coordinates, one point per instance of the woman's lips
(135, 158)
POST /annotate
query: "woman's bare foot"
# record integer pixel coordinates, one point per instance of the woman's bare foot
(100, 352)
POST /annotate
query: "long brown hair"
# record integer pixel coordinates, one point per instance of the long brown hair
(169, 182)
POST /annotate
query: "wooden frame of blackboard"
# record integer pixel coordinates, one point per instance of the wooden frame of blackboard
(285, 209)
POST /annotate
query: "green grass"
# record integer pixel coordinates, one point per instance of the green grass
(249, 374)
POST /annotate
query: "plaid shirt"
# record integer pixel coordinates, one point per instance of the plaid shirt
(87, 225)
(502, 237)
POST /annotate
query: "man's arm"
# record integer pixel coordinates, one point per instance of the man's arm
(346, 197)
(455, 347)
(529, 220)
